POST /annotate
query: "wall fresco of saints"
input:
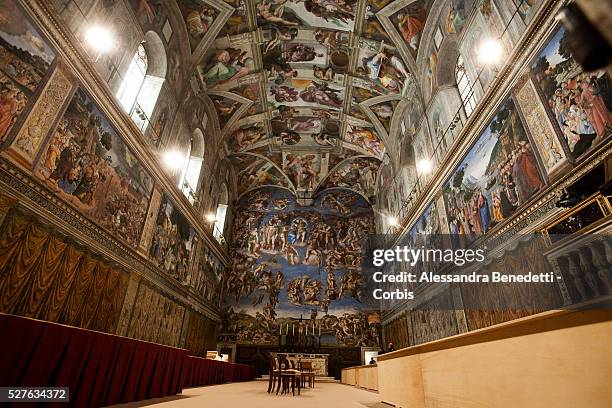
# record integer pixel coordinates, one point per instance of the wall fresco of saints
(580, 102)
(298, 269)
(499, 175)
(25, 59)
(207, 275)
(87, 164)
(172, 243)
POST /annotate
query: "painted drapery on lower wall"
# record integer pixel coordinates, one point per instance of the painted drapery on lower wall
(46, 277)
(297, 270)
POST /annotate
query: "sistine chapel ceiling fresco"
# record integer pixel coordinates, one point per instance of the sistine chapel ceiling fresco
(301, 85)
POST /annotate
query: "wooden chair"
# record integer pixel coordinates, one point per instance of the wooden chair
(307, 374)
(273, 374)
(288, 376)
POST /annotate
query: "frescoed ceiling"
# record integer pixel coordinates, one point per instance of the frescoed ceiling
(304, 87)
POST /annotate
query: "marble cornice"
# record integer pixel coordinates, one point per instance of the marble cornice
(42, 202)
(81, 66)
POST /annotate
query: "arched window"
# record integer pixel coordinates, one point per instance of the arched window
(193, 166)
(221, 213)
(143, 80)
(466, 89)
(133, 79)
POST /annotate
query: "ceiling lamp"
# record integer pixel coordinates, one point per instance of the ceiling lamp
(99, 39)
(490, 51)
(424, 166)
(392, 221)
(173, 160)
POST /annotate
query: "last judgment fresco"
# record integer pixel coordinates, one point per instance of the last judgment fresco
(298, 269)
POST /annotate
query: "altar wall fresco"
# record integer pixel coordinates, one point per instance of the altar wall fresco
(297, 268)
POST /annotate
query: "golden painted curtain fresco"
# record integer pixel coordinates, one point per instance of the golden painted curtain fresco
(479, 300)
(44, 276)
(200, 335)
(156, 318)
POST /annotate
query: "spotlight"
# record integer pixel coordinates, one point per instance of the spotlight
(210, 217)
(424, 166)
(490, 52)
(393, 221)
(99, 38)
(173, 160)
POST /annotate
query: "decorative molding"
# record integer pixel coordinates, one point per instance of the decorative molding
(42, 117)
(542, 131)
(47, 206)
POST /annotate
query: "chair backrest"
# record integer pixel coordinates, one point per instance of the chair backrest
(307, 365)
(283, 363)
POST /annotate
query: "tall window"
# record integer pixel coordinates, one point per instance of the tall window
(220, 220)
(143, 81)
(466, 90)
(221, 214)
(133, 80)
(190, 176)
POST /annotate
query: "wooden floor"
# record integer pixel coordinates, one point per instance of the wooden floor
(253, 395)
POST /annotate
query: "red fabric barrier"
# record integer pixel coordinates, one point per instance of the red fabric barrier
(99, 368)
(200, 371)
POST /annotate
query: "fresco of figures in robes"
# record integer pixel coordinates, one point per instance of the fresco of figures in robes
(25, 58)
(581, 102)
(87, 163)
(499, 175)
(298, 269)
(410, 22)
(198, 16)
(172, 244)
(206, 275)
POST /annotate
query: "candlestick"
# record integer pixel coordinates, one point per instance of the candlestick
(319, 329)
(293, 329)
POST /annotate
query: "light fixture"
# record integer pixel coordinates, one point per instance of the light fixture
(490, 51)
(173, 160)
(424, 166)
(99, 39)
(210, 217)
(393, 221)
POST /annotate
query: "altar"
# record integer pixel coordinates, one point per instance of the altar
(319, 361)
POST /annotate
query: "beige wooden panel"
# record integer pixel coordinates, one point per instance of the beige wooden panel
(559, 360)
